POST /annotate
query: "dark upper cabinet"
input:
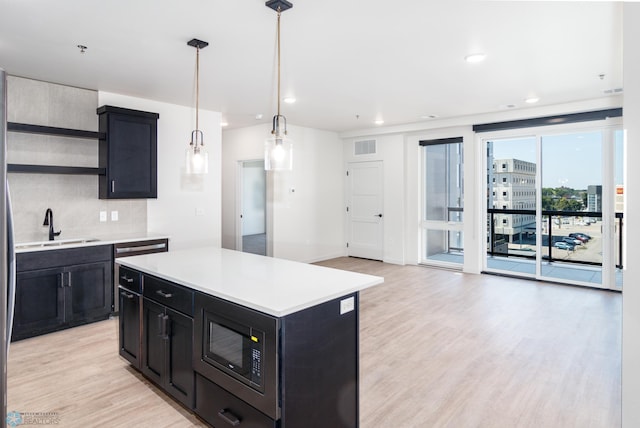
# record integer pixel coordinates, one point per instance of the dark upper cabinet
(128, 152)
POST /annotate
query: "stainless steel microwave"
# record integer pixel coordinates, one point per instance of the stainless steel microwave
(234, 348)
(237, 349)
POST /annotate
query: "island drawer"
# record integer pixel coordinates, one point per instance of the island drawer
(222, 409)
(130, 279)
(169, 294)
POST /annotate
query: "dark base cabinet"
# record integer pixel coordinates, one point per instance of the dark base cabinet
(167, 338)
(319, 367)
(57, 289)
(222, 409)
(129, 319)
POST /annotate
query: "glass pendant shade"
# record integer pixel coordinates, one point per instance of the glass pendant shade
(197, 156)
(278, 153)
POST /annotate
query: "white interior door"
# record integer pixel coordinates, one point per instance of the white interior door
(364, 210)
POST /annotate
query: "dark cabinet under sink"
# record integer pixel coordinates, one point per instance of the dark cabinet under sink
(63, 288)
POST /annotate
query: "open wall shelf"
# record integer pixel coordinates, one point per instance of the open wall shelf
(52, 169)
(50, 130)
(60, 132)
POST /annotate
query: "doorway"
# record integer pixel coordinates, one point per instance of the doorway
(252, 229)
(365, 217)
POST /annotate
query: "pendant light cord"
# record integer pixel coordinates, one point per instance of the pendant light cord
(278, 37)
(197, 84)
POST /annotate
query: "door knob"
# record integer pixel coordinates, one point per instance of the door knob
(378, 215)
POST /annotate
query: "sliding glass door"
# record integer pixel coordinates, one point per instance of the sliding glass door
(572, 207)
(512, 168)
(551, 210)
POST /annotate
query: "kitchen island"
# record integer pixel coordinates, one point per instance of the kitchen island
(245, 340)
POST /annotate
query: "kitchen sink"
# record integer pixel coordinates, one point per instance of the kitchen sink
(59, 243)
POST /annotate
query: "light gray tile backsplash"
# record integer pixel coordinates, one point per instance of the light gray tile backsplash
(73, 198)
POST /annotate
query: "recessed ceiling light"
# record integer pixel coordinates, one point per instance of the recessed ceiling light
(379, 122)
(289, 100)
(259, 116)
(476, 57)
(532, 100)
(224, 123)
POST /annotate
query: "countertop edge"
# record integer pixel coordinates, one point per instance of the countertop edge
(367, 281)
(96, 243)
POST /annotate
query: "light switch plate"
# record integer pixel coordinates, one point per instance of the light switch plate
(103, 216)
(114, 215)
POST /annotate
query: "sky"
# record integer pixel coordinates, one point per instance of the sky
(572, 160)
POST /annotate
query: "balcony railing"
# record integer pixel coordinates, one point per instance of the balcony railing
(501, 244)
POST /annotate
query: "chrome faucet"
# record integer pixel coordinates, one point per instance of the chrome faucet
(48, 221)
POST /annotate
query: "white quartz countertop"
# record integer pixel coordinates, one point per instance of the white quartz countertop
(274, 286)
(57, 244)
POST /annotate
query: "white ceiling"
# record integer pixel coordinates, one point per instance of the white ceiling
(347, 62)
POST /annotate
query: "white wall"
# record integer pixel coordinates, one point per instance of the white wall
(631, 291)
(187, 208)
(305, 207)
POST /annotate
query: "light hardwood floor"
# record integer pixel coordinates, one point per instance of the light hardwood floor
(438, 349)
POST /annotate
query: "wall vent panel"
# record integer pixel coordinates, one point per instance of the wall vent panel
(365, 147)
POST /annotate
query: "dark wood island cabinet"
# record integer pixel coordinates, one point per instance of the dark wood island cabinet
(277, 349)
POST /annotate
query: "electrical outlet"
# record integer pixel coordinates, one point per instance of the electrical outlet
(347, 305)
(114, 215)
(199, 211)
(103, 216)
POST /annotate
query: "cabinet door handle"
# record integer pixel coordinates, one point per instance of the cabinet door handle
(127, 295)
(161, 325)
(167, 327)
(113, 186)
(69, 283)
(61, 279)
(127, 279)
(163, 294)
(229, 417)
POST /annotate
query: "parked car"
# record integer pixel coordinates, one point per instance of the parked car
(580, 236)
(573, 241)
(564, 245)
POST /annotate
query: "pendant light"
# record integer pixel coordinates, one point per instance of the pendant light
(278, 150)
(197, 157)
